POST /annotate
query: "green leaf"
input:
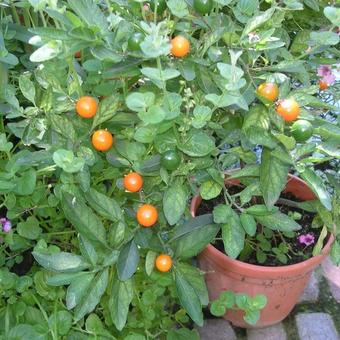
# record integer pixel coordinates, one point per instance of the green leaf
(335, 253)
(318, 187)
(202, 115)
(46, 52)
(107, 109)
(93, 295)
(188, 297)
(61, 320)
(63, 126)
(175, 202)
(61, 262)
(233, 235)
(313, 4)
(83, 219)
(29, 229)
(154, 115)
(278, 221)
(320, 242)
(150, 262)
(227, 297)
(331, 148)
(4, 145)
(159, 78)
(178, 8)
(290, 66)
(259, 301)
(250, 170)
(105, 54)
(252, 316)
(171, 105)
(248, 223)
(145, 134)
(78, 289)
(258, 21)
(66, 160)
(324, 38)
(332, 14)
(25, 184)
(90, 14)
(24, 331)
(196, 281)
(261, 210)
(87, 250)
(217, 308)
(64, 278)
(273, 177)
(119, 302)
(127, 261)
(210, 189)
(197, 144)
(194, 242)
(221, 213)
(138, 101)
(95, 326)
(104, 205)
(230, 72)
(82, 33)
(182, 334)
(27, 88)
(191, 225)
(228, 99)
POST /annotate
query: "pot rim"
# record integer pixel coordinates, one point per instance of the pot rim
(223, 260)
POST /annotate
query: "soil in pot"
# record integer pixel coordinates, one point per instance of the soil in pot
(297, 252)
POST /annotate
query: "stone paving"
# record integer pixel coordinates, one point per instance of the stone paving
(316, 317)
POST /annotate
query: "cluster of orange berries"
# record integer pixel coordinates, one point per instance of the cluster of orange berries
(147, 216)
(102, 140)
(86, 107)
(288, 109)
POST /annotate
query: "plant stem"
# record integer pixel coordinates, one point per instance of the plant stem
(41, 13)
(54, 337)
(143, 11)
(15, 15)
(159, 66)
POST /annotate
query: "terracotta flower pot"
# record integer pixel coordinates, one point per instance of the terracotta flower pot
(282, 285)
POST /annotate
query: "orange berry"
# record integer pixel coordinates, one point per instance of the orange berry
(270, 91)
(133, 182)
(163, 263)
(289, 109)
(147, 215)
(102, 140)
(180, 46)
(86, 107)
(323, 85)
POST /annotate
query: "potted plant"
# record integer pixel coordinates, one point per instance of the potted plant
(277, 218)
(112, 114)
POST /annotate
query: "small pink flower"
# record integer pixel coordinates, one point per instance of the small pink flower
(307, 239)
(253, 37)
(329, 78)
(324, 70)
(6, 225)
(326, 74)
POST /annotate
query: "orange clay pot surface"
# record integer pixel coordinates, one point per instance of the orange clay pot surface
(282, 285)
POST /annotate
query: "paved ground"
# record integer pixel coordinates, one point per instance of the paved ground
(316, 317)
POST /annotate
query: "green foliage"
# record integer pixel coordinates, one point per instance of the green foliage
(251, 306)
